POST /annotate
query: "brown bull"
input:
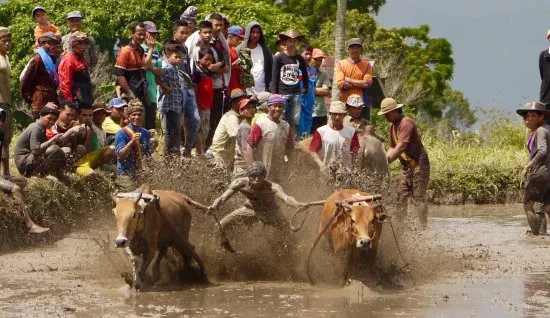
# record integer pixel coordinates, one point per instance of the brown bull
(358, 225)
(144, 228)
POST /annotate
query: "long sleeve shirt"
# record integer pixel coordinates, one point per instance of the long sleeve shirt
(288, 72)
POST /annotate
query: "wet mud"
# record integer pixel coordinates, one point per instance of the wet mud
(471, 261)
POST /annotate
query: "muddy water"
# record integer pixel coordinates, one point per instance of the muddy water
(472, 261)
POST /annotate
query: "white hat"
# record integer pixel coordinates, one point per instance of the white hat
(337, 107)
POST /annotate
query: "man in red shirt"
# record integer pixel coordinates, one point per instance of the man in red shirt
(235, 37)
(75, 82)
(407, 146)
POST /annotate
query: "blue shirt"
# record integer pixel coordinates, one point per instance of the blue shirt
(174, 100)
(122, 138)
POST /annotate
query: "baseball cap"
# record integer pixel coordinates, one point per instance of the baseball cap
(355, 41)
(36, 9)
(236, 30)
(150, 27)
(244, 102)
(48, 36)
(317, 53)
(117, 103)
(355, 100)
(74, 15)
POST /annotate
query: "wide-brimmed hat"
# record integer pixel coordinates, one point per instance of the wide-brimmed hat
(236, 94)
(355, 41)
(36, 9)
(99, 106)
(291, 34)
(533, 106)
(355, 100)
(337, 107)
(388, 104)
(74, 15)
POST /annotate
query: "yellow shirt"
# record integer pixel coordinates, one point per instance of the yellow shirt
(110, 126)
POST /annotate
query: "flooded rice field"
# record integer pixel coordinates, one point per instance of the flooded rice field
(472, 261)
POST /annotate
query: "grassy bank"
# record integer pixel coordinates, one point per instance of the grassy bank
(55, 205)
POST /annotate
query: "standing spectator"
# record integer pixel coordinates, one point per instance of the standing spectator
(97, 154)
(406, 145)
(74, 20)
(544, 68)
(235, 37)
(181, 31)
(355, 105)
(75, 82)
(171, 99)
(43, 26)
(353, 74)
(247, 111)
(279, 47)
(223, 143)
(132, 144)
(156, 62)
(220, 67)
(204, 90)
(271, 139)
(262, 59)
(286, 77)
(34, 153)
(536, 172)
(115, 121)
(5, 98)
(39, 80)
(130, 69)
(322, 89)
(334, 141)
(308, 98)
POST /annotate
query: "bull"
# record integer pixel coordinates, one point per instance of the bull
(148, 222)
(351, 223)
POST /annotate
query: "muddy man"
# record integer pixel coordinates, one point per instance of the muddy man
(537, 171)
(261, 202)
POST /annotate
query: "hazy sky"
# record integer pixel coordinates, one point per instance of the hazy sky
(496, 43)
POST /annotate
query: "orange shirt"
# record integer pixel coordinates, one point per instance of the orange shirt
(40, 31)
(357, 71)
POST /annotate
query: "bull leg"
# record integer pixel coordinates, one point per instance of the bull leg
(148, 256)
(135, 260)
(156, 265)
(532, 218)
(188, 253)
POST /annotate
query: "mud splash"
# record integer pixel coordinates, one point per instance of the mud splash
(472, 261)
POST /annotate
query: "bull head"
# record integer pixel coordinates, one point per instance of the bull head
(127, 211)
(362, 222)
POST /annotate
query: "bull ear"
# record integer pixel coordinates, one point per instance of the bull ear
(382, 217)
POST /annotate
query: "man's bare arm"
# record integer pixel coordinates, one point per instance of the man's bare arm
(288, 200)
(233, 188)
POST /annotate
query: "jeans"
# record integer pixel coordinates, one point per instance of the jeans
(292, 109)
(172, 125)
(191, 114)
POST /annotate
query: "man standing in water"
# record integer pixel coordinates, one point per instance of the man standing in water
(261, 202)
(536, 172)
(408, 148)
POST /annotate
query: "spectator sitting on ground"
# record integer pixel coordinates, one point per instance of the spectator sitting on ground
(97, 154)
(132, 145)
(70, 131)
(74, 21)
(43, 25)
(115, 120)
(15, 185)
(35, 154)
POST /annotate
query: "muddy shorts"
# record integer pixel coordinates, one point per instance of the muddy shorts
(246, 216)
(6, 186)
(414, 182)
(537, 188)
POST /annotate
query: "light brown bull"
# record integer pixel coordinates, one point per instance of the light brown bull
(145, 228)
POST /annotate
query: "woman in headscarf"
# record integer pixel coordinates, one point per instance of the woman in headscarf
(75, 83)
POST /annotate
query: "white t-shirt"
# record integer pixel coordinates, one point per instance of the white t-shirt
(258, 71)
(335, 144)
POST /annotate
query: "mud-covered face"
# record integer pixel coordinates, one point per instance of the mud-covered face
(256, 180)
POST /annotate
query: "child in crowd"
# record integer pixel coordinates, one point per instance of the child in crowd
(43, 25)
(204, 92)
(536, 172)
(171, 98)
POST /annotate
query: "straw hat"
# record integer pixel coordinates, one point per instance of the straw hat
(388, 104)
(533, 106)
(290, 34)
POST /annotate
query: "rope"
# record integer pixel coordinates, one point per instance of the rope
(396, 242)
(300, 210)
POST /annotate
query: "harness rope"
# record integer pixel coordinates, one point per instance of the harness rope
(305, 208)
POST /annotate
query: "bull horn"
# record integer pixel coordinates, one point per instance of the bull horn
(136, 200)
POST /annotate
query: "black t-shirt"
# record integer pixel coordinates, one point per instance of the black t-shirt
(288, 72)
